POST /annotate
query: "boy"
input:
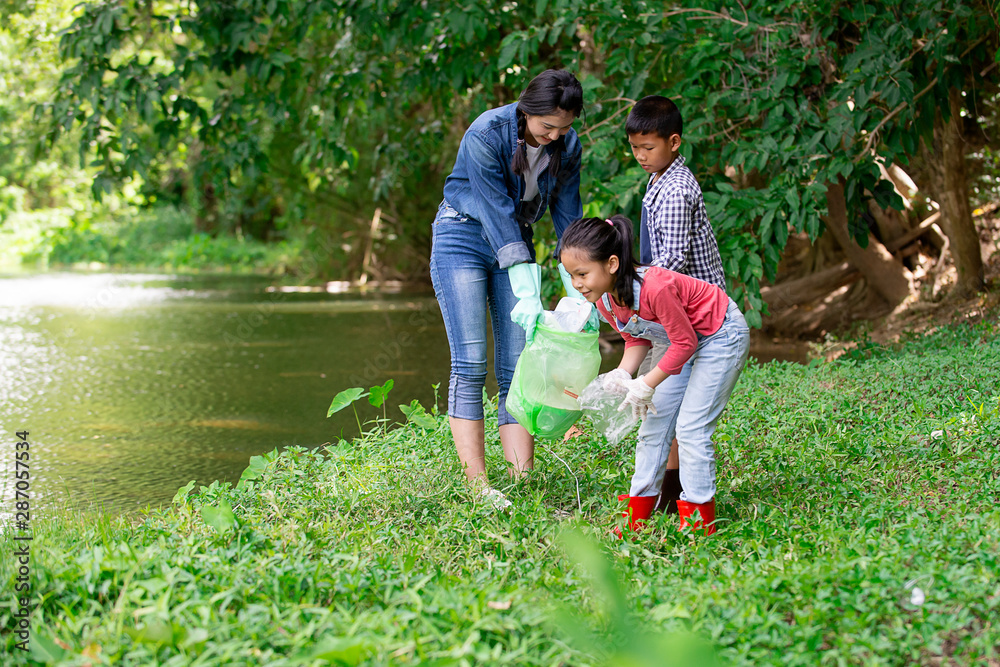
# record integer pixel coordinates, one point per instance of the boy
(674, 231)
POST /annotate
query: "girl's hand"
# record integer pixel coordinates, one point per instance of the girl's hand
(639, 398)
(616, 381)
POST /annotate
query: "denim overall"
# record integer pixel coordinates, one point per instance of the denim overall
(687, 405)
(636, 326)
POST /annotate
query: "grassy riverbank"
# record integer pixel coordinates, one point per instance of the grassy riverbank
(861, 501)
(162, 238)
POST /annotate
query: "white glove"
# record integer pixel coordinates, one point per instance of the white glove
(640, 398)
(616, 381)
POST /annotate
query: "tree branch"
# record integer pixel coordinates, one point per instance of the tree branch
(873, 135)
(706, 14)
(631, 102)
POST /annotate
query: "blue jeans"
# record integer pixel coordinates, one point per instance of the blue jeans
(468, 283)
(689, 405)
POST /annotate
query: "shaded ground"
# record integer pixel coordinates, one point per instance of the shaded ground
(931, 306)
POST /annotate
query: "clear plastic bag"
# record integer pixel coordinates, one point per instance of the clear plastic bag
(550, 374)
(601, 405)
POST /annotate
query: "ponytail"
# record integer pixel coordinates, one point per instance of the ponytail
(601, 238)
(551, 90)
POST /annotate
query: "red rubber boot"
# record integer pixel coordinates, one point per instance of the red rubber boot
(638, 510)
(707, 511)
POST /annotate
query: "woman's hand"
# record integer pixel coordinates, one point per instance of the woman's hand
(526, 283)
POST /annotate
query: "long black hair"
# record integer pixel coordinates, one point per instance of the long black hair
(599, 239)
(551, 90)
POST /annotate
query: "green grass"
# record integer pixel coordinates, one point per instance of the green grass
(162, 238)
(843, 487)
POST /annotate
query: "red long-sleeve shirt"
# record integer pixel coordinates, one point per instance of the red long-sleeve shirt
(685, 306)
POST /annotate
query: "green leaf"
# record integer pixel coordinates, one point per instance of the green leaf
(814, 141)
(378, 395)
(781, 234)
(779, 83)
(154, 632)
(886, 196)
(44, 649)
(221, 518)
(344, 399)
(341, 650)
(765, 225)
(792, 197)
(662, 612)
(256, 468)
(416, 413)
(181, 496)
(508, 48)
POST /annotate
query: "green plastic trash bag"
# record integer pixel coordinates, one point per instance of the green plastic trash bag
(550, 374)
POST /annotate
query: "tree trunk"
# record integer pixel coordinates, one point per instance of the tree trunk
(956, 215)
(884, 274)
(891, 223)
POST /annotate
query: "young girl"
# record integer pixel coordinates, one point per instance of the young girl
(514, 162)
(685, 393)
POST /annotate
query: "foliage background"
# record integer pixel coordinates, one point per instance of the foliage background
(290, 120)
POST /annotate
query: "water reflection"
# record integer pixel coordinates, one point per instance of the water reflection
(131, 385)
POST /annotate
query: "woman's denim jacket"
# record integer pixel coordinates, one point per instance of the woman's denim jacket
(483, 187)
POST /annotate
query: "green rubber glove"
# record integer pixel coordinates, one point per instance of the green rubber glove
(594, 320)
(526, 282)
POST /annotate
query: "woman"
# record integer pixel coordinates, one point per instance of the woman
(513, 163)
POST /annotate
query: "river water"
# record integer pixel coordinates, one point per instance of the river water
(131, 385)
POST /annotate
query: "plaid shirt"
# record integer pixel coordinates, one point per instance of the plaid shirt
(675, 232)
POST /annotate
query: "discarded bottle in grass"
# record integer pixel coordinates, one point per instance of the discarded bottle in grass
(550, 374)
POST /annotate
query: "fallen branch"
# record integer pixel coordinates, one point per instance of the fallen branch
(902, 241)
(813, 286)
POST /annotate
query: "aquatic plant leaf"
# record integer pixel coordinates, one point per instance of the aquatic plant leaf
(345, 398)
(379, 394)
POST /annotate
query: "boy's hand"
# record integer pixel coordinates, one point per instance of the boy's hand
(639, 398)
